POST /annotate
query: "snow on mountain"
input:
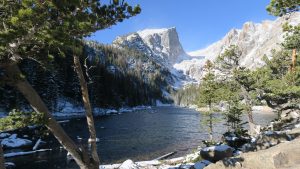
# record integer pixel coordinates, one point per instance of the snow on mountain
(162, 45)
(254, 39)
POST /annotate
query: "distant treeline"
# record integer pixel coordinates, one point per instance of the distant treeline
(117, 77)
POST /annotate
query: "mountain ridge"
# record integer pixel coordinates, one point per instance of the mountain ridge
(254, 40)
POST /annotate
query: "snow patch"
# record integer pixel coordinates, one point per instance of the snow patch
(217, 148)
(14, 142)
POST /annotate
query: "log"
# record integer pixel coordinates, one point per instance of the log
(36, 144)
(165, 156)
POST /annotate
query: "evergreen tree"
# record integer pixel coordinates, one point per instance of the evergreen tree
(209, 96)
(228, 63)
(32, 28)
(281, 8)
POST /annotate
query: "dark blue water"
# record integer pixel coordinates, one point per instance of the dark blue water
(141, 135)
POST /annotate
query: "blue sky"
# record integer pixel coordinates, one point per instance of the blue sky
(198, 22)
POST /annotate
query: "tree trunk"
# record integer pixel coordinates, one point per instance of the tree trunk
(210, 127)
(294, 59)
(14, 75)
(2, 161)
(210, 124)
(88, 111)
(247, 98)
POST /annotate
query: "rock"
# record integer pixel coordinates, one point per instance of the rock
(216, 153)
(128, 164)
(10, 165)
(201, 164)
(14, 142)
(254, 129)
(186, 166)
(236, 142)
(285, 155)
(270, 138)
(290, 114)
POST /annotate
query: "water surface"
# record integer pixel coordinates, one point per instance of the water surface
(140, 135)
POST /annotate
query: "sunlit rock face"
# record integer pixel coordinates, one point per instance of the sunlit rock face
(254, 39)
(161, 44)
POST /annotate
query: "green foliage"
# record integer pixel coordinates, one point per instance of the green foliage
(292, 37)
(229, 60)
(209, 95)
(282, 7)
(276, 84)
(30, 27)
(186, 96)
(233, 117)
(17, 119)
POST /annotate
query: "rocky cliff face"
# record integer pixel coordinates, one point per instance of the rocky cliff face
(254, 39)
(161, 44)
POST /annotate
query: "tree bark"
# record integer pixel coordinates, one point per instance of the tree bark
(2, 161)
(294, 59)
(210, 124)
(14, 75)
(88, 111)
(247, 98)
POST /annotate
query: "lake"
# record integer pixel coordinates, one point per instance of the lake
(140, 135)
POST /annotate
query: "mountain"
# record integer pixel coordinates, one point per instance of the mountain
(254, 39)
(162, 46)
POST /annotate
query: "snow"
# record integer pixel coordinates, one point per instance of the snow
(160, 104)
(128, 164)
(110, 166)
(22, 153)
(4, 135)
(146, 32)
(217, 148)
(14, 142)
(9, 165)
(125, 110)
(230, 138)
(111, 111)
(74, 111)
(147, 163)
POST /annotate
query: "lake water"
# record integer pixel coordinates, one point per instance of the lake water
(140, 135)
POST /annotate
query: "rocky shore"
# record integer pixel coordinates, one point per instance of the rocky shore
(273, 147)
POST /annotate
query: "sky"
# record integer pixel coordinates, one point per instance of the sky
(199, 23)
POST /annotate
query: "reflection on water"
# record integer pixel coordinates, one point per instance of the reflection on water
(141, 135)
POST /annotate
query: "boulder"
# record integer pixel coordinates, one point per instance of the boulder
(128, 164)
(290, 114)
(216, 153)
(283, 156)
(235, 141)
(201, 164)
(14, 142)
(270, 138)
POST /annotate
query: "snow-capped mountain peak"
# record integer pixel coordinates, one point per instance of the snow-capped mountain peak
(161, 44)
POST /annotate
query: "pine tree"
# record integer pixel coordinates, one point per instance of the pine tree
(287, 7)
(229, 64)
(209, 96)
(32, 28)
